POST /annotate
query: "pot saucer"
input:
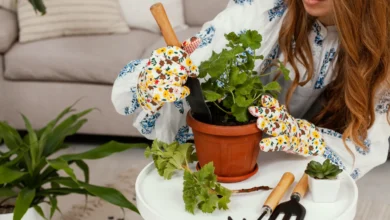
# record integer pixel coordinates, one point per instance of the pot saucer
(233, 179)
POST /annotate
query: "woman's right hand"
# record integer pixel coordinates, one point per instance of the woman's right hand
(163, 78)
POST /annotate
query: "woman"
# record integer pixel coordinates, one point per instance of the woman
(337, 49)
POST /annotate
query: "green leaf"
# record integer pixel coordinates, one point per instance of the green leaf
(84, 167)
(7, 192)
(251, 39)
(8, 175)
(272, 86)
(66, 128)
(61, 164)
(240, 113)
(242, 101)
(40, 211)
(237, 78)
(190, 191)
(216, 65)
(38, 6)
(33, 141)
(23, 202)
(244, 89)
(228, 102)
(62, 192)
(53, 204)
(102, 151)
(233, 37)
(10, 136)
(285, 71)
(211, 95)
(110, 195)
(66, 181)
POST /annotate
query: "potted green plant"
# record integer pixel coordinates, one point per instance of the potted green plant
(29, 170)
(324, 183)
(231, 85)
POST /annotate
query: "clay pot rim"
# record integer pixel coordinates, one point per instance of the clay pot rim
(239, 130)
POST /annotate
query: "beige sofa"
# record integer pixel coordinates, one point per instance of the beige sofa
(41, 78)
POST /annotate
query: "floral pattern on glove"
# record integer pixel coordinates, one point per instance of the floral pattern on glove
(288, 134)
(163, 78)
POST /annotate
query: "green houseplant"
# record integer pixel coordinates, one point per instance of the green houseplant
(323, 181)
(29, 172)
(231, 85)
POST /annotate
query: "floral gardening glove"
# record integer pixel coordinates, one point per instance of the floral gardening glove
(289, 134)
(163, 78)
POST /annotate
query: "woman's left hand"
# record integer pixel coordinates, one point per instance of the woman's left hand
(289, 134)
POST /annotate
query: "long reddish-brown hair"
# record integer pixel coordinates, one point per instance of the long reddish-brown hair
(363, 61)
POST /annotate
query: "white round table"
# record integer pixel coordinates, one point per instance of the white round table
(159, 199)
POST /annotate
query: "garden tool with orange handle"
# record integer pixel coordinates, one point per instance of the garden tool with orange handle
(199, 108)
(277, 194)
(292, 207)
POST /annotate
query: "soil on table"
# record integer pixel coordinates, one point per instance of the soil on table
(220, 117)
(6, 209)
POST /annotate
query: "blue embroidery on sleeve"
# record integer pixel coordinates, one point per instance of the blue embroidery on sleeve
(134, 103)
(362, 151)
(355, 174)
(332, 156)
(179, 105)
(329, 57)
(278, 10)
(206, 36)
(183, 135)
(129, 68)
(270, 57)
(242, 2)
(384, 104)
(318, 40)
(331, 132)
(148, 123)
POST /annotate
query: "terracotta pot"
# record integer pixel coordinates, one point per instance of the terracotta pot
(232, 149)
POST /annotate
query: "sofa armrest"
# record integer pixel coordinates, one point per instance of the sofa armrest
(9, 29)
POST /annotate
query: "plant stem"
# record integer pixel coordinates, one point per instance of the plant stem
(253, 189)
(234, 100)
(185, 167)
(258, 96)
(229, 113)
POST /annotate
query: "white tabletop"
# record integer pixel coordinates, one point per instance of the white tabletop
(159, 199)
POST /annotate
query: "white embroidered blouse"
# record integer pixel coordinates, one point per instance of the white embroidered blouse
(265, 16)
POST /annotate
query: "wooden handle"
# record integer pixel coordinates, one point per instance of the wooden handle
(302, 185)
(162, 20)
(277, 194)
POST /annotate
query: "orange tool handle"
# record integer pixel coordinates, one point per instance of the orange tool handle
(279, 191)
(163, 22)
(301, 187)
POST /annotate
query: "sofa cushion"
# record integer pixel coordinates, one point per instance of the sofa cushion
(93, 59)
(182, 35)
(200, 11)
(9, 29)
(70, 18)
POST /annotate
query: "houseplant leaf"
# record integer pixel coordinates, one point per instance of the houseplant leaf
(33, 142)
(10, 136)
(61, 164)
(23, 202)
(84, 167)
(102, 151)
(67, 127)
(40, 211)
(8, 175)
